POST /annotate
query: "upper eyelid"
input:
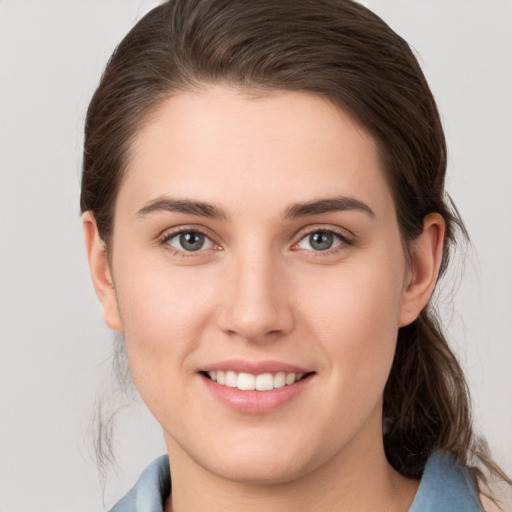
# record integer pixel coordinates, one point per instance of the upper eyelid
(341, 232)
(171, 232)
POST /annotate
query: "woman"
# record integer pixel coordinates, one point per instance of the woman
(265, 221)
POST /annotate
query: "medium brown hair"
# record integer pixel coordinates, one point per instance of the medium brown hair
(345, 53)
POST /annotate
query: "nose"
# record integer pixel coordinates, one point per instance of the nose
(257, 303)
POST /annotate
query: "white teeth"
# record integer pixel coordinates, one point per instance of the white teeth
(290, 378)
(246, 381)
(279, 380)
(249, 382)
(231, 379)
(265, 382)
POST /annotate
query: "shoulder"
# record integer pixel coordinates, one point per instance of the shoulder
(502, 494)
(446, 487)
(150, 491)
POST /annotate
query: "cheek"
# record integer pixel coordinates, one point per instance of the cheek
(163, 317)
(164, 313)
(355, 317)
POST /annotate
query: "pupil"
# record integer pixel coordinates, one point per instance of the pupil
(191, 241)
(321, 240)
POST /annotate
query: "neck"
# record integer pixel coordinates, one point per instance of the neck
(355, 480)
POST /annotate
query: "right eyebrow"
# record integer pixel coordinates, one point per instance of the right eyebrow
(169, 204)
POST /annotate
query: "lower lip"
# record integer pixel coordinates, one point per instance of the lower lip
(255, 402)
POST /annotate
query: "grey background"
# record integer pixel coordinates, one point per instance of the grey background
(54, 348)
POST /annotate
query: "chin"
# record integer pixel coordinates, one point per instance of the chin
(270, 471)
(263, 461)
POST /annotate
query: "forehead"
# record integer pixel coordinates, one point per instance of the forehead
(223, 144)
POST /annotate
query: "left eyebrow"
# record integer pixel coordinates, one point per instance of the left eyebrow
(333, 204)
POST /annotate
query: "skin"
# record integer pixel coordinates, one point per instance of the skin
(260, 290)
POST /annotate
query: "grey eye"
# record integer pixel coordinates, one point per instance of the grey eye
(321, 240)
(190, 241)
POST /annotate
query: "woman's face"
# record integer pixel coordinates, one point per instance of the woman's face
(256, 243)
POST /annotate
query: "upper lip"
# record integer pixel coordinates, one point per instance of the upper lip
(253, 367)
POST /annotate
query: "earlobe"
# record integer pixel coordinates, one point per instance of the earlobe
(100, 272)
(426, 254)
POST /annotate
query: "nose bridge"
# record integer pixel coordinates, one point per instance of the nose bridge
(256, 303)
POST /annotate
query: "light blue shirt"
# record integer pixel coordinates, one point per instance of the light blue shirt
(444, 487)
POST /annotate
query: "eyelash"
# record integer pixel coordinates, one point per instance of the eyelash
(345, 241)
(166, 237)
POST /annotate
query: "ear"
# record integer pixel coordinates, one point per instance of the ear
(426, 253)
(100, 272)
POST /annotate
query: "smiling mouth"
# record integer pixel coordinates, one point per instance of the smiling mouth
(249, 382)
